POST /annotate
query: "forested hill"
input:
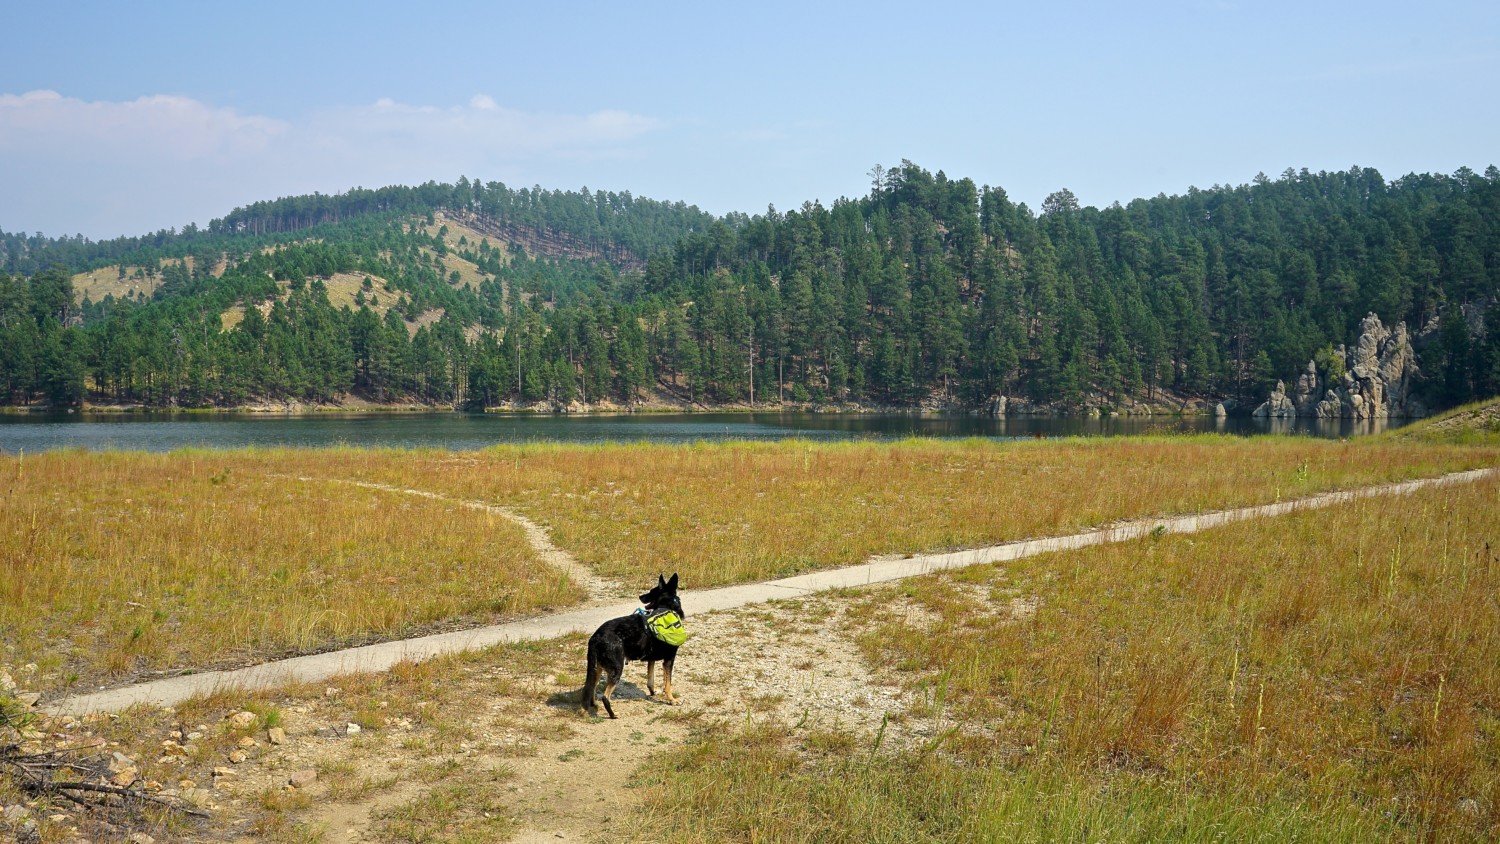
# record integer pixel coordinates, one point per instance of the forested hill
(617, 225)
(928, 291)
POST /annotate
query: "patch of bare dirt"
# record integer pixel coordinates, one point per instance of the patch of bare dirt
(499, 734)
(568, 777)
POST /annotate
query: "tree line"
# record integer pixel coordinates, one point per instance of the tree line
(928, 289)
(637, 225)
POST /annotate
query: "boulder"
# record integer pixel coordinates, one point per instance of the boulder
(1278, 406)
(1331, 407)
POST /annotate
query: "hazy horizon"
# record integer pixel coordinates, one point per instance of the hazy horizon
(125, 121)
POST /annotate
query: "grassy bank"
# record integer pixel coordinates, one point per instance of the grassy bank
(1472, 424)
(1326, 676)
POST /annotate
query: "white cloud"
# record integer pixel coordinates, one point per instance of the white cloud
(107, 168)
(161, 125)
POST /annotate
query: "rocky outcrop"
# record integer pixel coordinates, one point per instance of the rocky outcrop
(1162, 403)
(1305, 399)
(1278, 406)
(1374, 381)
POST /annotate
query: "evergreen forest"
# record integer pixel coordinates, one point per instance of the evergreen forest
(929, 291)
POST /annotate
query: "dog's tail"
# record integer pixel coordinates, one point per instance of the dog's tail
(590, 685)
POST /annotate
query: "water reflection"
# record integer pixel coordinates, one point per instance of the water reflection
(460, 432)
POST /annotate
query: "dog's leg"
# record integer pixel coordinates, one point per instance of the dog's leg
(650, 677)
(609, 689)
(590, 685)
(666, 673)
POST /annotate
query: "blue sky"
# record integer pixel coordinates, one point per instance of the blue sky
(121, 118)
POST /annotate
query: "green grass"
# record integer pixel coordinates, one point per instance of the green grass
(756, 786)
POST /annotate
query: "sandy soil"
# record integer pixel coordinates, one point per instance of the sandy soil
(568, 777)
(502, 731)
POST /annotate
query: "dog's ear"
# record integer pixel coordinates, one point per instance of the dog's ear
(661, 582)
(671, 585)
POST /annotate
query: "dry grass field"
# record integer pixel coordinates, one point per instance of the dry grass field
(117, 564)
(459, 231)
(120, 564)
(751, 511)
(1327, 676)
(342, 289)
(469, 275)
(96, 284)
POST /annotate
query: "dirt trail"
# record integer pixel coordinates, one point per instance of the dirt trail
(600, 590)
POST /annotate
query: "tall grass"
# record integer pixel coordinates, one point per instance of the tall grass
(122, 563)
(755, 785)
(749, 511)
(117, 563)
(1332, 675)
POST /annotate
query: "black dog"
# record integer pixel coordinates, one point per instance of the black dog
(621, 640)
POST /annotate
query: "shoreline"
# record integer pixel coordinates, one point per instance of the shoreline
(298, 409)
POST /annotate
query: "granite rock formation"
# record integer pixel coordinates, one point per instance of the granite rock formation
(1376, 381)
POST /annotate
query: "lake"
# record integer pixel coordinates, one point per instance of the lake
(158, 431)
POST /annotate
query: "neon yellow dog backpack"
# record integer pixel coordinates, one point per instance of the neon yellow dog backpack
(666, 626)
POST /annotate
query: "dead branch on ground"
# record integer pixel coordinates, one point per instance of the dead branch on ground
(67, 774)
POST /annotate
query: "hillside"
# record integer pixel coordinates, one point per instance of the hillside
(929, 292)
(1477, 422)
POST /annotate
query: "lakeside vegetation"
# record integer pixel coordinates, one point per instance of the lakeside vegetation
(1328, 676)
(119, 563)
(928, 291)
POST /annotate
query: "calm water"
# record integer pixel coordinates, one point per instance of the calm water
(460, 432)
